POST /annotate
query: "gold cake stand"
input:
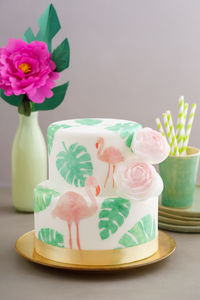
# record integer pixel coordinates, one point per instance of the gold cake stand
(25, 247)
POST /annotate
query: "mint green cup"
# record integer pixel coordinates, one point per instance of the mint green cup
(179, 175)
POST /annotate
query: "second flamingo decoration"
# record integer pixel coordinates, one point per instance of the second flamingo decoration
(110, 155)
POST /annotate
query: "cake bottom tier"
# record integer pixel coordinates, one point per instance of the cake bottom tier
(105, 230)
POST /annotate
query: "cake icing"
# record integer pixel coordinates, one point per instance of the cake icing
(80, 206)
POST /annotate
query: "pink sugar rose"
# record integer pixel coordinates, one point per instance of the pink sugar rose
(27, 69)
(149, 145)
(137, 180)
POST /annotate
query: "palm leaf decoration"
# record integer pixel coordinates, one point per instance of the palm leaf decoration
(112, 215)
(142, 232)
(89, 122)
(52, 129)
(126, 131)
(42, 198)
(74, 164)
(51, 237)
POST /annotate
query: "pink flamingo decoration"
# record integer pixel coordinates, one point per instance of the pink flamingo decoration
(72, 207)
(110, 155)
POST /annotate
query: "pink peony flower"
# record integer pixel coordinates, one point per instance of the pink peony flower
(27, 69)
(137, 180)
(150, 145)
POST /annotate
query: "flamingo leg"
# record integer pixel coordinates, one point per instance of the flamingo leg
(70, 236)
(108, 174)
(77, 236)
(113, 176)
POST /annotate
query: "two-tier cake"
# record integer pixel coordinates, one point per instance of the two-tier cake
(100, 204)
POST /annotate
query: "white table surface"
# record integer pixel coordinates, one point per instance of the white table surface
(177, 277)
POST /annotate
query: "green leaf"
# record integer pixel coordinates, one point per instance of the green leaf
(88, 122)
(51, 237)
(51, 103)
(142, 232)
(126, 131)
(28, 35)
(74, 164)
(61, 56)
(52, 129)
(13, 100)
(49, 26)
(112, 215)
(42, 198)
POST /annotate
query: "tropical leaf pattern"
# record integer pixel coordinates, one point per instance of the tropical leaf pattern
(142, 232)
(88, 122)
(112, 215)
(51, 237)
(52, 129)
(42, 198)
(126, 131)
(74, 164)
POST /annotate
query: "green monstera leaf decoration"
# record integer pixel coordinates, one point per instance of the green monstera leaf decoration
(52, 129)
(42, 198)
(88, 122)
(51, 237)
(142, 232)
(112, 215)
(74, 164)
(126, 131)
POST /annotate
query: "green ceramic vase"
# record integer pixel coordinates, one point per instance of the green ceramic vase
(179, 174)
(29, 162)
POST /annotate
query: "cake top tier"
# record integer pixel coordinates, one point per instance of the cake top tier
(83, 147)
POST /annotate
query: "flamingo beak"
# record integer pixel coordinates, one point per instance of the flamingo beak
(97, 190)
(97, 145)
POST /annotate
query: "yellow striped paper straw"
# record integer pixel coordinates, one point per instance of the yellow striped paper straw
(185, 110)
(185, 113)
(180, 116)
(189, 128)
(159, 125)
(174, 146)
(180, 133)
(167, 128)
(181, 138)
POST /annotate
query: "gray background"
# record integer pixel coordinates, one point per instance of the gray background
(129, 59)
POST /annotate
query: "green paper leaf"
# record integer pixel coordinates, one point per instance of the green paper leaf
(52, 129)
(49, 26)
(58, 97)
(28, 35)
(13, 100)
(142, 232)
(112, 215)
(61, 56)
(74, 164)
(42, 198)
(51, 237)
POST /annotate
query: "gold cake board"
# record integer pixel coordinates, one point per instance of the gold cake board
(25, 247)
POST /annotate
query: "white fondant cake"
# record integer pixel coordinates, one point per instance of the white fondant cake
(79, 207)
